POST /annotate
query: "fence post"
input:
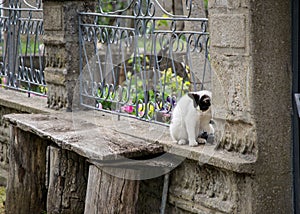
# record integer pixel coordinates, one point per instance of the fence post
(62, 49)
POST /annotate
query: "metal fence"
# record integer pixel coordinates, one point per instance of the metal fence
(22, 49)
(138, 58)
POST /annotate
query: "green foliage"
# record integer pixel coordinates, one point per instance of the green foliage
(108, 6)
(34, 88)
(163, 22)
(29, 48)
(105, 104)
(2, 199)
(174, 83)
(138, 62)
(145, 102)
(170, 85)
(42, 89)
(25, 47)
(206, 4)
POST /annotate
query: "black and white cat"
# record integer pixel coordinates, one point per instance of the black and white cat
(191, 118)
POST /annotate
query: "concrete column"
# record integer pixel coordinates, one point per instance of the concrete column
(62, 49)
(250, 55)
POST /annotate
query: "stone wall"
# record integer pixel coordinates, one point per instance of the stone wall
(199, 188)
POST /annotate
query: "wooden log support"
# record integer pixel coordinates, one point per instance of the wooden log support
(110, 194)
(26, 187)
(67, 182)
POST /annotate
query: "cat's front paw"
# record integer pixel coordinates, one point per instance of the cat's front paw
(182, 142)
(201, 140)
(193, 143)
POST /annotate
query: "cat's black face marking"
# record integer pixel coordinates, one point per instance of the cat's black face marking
(203, 102)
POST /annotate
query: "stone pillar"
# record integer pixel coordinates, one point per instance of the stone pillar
(62, 49)
(250, 55)
(231, 60)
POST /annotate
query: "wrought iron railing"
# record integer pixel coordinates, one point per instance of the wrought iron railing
(137, 58)
(22, 49)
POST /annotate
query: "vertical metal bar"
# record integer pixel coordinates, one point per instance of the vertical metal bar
(80, 59)
(165, 193)
(9, 45)
(295, 118)
(16, 38)
(6, 14)
(205, 62)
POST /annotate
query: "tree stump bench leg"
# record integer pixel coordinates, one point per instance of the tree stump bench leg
(26, 186)
(109, 194)
(67, 182)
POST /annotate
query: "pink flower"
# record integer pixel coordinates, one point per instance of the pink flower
(99, 106)
(167, 115)
(127, 108)
(4, 81)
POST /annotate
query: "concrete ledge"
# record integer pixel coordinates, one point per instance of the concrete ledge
(21, 102)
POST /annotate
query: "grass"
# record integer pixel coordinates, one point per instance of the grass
(25, 47)
(2, 199)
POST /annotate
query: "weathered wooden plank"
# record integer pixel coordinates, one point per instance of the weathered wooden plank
(26, 189)
(67, 182)
(110, 194)
(86, 138)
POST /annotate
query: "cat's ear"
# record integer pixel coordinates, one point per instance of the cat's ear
(195, 97)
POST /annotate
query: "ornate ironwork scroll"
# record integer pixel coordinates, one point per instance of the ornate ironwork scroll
(137, 58)
(22, 50)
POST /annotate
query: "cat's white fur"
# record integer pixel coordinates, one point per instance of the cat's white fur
(188, 121)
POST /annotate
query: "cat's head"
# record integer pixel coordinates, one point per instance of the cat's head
(201, 99)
